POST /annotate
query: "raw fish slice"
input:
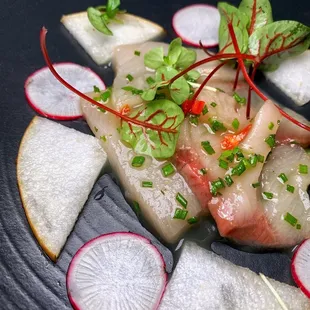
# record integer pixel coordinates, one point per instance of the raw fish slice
(158, 204)
(203, 280)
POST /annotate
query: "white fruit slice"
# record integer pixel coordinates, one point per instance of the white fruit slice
(197, 22)
(47, 96)
(56, 170)
(292, 77)
(301, 267)
(100, 47)
(116, 271)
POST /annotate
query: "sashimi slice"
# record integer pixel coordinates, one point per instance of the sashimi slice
(203, 280)
(197, 22)
(133, 29)
(292, 77)
(51, 99)
(116, 271)
(56, 170)
(158, 203)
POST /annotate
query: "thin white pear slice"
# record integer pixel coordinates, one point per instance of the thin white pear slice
(99, 46)
(56, 170)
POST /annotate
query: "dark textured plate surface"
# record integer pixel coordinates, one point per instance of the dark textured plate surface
(28, 279)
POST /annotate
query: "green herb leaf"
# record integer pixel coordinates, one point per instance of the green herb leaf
(291, 219)
(112, 7)
(259, 12)
(174, 51)
(179, 90)
(98, 21)
(240, 22)
(133, 90)
(277, 41)
(180, 214)
(154, 58)
(186, 58)
(149, 94)
(151, 142)
(193, 75)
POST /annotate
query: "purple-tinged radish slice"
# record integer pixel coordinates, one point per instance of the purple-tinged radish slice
(116, 271)
(51, 99)
(301, 267)
(197, 22)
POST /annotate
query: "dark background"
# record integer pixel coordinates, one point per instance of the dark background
(28, 280)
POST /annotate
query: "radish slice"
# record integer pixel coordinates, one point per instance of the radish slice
(51, 99)
(197, 22)
(301, 267)
(116, 271)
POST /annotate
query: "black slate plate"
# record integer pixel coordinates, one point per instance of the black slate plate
(28, 279)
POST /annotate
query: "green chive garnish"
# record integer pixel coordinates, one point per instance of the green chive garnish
(181, 200)
(129, 77)
(103, 138)
(150, 80)
(282, 178)
(240, 100)
(203, 171)
(290, 188)
(255, 185)
(96, 89)
(267, 195)
(180, 214)
(213, 104)
(292, 220)
(229, 181)
(227, 155)
(192, 220)
(207, 147)
(136, 207)
(271, 125)
(235, 124)
(168, 169)
(205, 110)
(303, 169)
(223, 164)
(147, 184)
(239, 169)
(95, 128)
(137, 53)
(253, 160)
(105, 95)
(298, 226)
(138, 161)
(193, 119)
(216, 185)
(101, 109)
(260, 158)
(216, 125)
(271, 140)
(133, 90)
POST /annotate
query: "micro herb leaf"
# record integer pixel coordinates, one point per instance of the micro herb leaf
(239, 21)
(112, 7)
(277, 41)
(186, 58)
(174, 51)
(156, 143)
(154, 58)
(193, 75)
(259, 12)
(179, 90)
(99, 21)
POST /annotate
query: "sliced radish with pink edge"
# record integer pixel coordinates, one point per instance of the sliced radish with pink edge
(301, 267)
(197, 22)
(48, 97)
(116, 271)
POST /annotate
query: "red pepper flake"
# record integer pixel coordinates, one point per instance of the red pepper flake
(125, 109)
(230, 141)
(196, 107)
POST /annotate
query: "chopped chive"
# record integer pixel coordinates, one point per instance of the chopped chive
(133, 90)
(267, 195)
(213, 104)
(240, 100)
(129, 77)
(253, 160)
(298, 226)
(150, 80)
(181, 200)
(260, 158)
(168, 169)
(95, 128)
(220, 90)
(223, 164)
(239, 169)
(193, 119)
(271, 125)
(227, 155)
(216, 125)
(216, 185)
(235, 124)
(205, 110)
(137, 53)
(303, 169)
(180, 214)
(193, 220)
(96, 89)
(103, 138)
(138, 161)
(105, 95)
(203, 171)
(101, 110)
(207, 147)
(229, 181)
(147, 184)
(239, 154)
(136, 207)
(271, 140)
(290, 188)
(255, 185)
(292, 220)
(282, 178)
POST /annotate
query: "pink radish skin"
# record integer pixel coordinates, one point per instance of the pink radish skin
(185, 39)
(89, 244)
(62, 117)
(301, 285)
